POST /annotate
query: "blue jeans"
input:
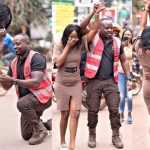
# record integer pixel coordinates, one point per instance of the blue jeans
(124, 93)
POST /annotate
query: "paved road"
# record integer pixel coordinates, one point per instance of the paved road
(135, 136)
(10, 138)
(141, 136)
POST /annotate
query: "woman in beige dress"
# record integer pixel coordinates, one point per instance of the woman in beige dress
(68, 88)
(142, 48)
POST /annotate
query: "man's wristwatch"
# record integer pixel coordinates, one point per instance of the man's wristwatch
(14, 82)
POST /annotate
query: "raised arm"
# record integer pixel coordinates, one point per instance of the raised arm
(87, 19)
(95, 25)
(144, 20)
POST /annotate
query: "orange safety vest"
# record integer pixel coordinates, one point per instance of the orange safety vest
(44, 91)
(93, 59)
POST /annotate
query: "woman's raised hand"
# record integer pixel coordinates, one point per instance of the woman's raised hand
(98, 7)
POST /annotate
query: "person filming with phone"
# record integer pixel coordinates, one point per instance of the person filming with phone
(125, 93)
(125, 41)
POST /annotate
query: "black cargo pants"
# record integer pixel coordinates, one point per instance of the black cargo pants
(31, 111)
(109, 89)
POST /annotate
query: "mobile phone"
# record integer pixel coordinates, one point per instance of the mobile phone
(125, 38)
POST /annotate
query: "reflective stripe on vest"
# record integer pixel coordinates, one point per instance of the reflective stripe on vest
(93, 59)
(91, 66)
(44, 91)
(94, 56)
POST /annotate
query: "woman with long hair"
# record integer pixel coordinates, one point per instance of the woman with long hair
(124, 92)
(68, 88)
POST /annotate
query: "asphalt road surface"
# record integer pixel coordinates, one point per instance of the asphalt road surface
(135, 136)
(10, 136)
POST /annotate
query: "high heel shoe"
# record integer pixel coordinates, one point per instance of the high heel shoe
(63, 147)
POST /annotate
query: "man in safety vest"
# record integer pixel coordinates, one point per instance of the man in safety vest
(102, 71)
(29, 75)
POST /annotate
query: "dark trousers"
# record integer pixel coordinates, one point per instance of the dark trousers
(31, 111)
(109, 89)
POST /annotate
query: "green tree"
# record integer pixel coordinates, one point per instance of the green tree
(26, 12)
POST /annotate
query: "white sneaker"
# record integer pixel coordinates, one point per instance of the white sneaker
(63, 147)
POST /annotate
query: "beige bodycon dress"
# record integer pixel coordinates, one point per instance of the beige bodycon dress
(68, 84)
(144, 60)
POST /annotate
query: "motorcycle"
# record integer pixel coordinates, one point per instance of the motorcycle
(136, 77)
